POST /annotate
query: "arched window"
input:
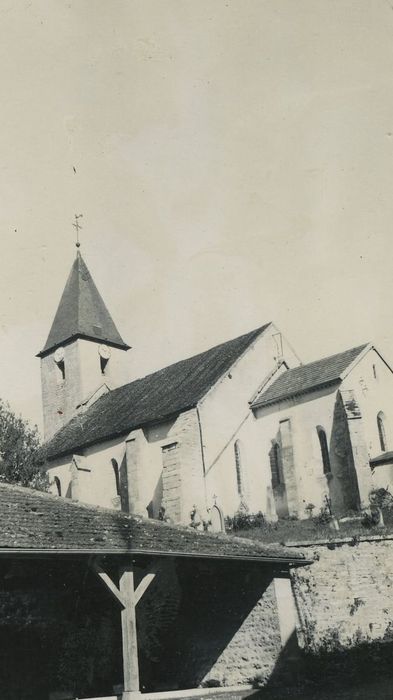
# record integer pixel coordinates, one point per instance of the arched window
(117, 476)
(275, 464)
(239, 468)
(324, 450)
(58, 485)
(381, 431)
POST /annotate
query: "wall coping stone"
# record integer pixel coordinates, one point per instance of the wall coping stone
(339, 541)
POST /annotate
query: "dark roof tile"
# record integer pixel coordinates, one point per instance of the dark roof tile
(36, 521)
(151, 399)
(82, 312)
(300, 380)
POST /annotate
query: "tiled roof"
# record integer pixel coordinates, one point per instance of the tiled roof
(33, 521)
(300, 380)
(151, 399)
(82, 312)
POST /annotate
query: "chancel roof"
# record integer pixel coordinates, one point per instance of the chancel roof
(32, 521)
(304, 378)
(82, 313)
(151, 399)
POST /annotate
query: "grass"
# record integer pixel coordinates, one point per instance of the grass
(313, 529)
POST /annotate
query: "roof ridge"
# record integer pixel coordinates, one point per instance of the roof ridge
(193, 357)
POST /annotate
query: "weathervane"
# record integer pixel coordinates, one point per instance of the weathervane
(77, 226)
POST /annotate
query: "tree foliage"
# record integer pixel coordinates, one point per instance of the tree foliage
(21, 453)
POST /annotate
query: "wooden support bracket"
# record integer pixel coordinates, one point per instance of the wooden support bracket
(107, 581)
(128, 596)
(115, 591)
(145, 583)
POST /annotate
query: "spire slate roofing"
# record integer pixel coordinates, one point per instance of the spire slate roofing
(314, 375)
(82, 313)
(154, 398)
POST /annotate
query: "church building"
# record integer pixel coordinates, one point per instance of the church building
(243, 425)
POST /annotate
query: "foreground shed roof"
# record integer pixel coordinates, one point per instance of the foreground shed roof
(312, 376)
(151, 399)
(36, 522)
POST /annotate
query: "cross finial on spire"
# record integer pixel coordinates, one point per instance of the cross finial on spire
(77, 227)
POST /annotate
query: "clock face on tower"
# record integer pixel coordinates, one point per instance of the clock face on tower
(104, 351)
(59, 355)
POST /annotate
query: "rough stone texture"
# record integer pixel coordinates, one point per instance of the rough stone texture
(253, 651)
(346, 596)
(186, 432)
(60, 397)
(227, 630)
(171, 480)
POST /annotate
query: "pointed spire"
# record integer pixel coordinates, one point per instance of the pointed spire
(82, 313)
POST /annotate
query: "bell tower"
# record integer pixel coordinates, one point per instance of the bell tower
(84, 353)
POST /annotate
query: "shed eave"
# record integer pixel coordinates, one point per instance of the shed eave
(40, 553)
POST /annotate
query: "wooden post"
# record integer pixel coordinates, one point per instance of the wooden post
(128, 598)
(128, 628)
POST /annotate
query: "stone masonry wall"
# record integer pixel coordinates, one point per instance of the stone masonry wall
(60, 397)
(228, 630)
(187, 481)
(171, 481)
(252, 653)
(346, 596)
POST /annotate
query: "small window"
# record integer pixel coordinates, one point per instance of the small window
(381, 431)
(58, 485)
(117, 476)
(324, 450)
(375, 372)
(103, 363)
(239, 468)
(60, 365)
(275, 464)
(60, 371)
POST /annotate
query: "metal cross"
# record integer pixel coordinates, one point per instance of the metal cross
(77, 226)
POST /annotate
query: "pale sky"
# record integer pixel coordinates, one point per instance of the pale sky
(234, 165)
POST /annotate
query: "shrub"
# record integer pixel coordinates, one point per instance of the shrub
(324, 517)
(245, 521)
(382, 498)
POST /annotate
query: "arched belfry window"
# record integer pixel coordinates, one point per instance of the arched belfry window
(117, 476)
(323, 443)
(58, 485)
(240, 481)
(381, 421)
(275, 464)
